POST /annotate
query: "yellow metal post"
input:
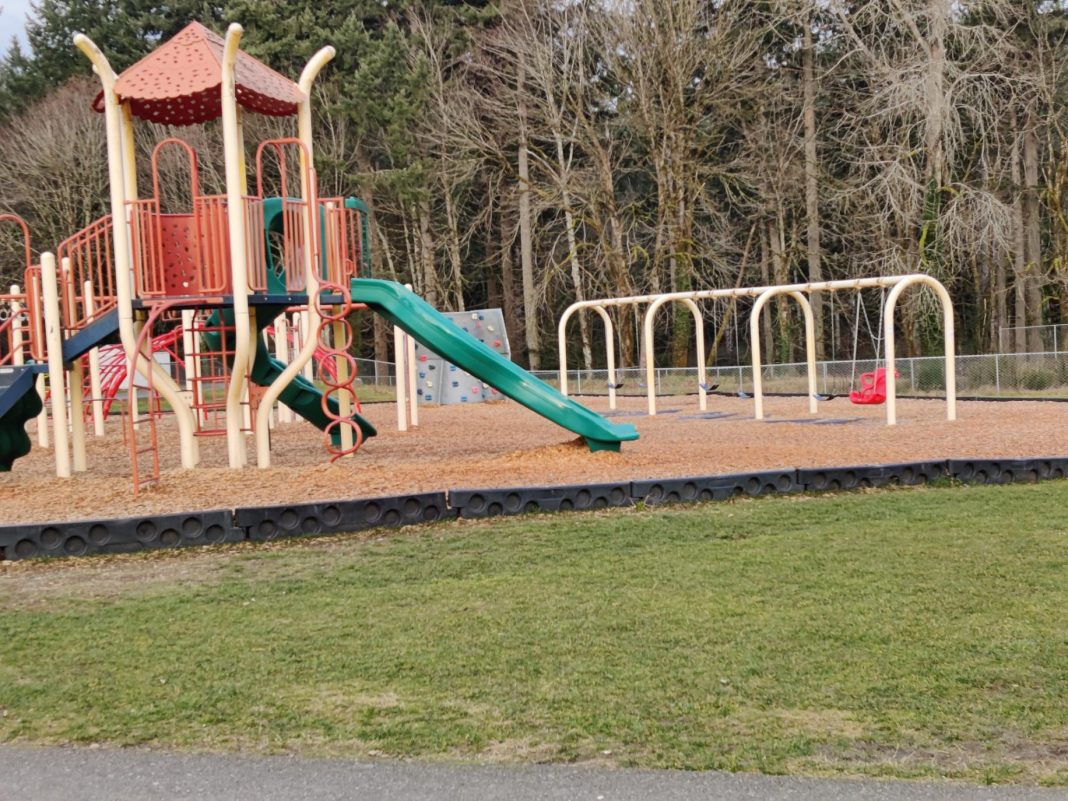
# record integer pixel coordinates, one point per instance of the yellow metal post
(56, 372)
(311, 269)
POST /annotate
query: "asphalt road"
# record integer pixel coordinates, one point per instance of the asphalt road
(84, 774)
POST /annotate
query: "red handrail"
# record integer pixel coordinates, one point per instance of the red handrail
(295, 212)
(10, 323)
(21, 223)
(342, 243)
(90, 254)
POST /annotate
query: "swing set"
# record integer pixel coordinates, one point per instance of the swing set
(874, 387)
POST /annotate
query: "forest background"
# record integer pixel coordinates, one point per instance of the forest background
(531, 153)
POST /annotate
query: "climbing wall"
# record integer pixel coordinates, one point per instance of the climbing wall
(442, 382)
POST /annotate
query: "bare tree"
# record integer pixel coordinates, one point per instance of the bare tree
(55, 165)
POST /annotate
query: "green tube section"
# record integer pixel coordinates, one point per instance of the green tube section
(423, 322)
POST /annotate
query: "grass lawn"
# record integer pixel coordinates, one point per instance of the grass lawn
(914, 632)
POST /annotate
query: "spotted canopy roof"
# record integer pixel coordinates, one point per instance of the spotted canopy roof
(180, 82)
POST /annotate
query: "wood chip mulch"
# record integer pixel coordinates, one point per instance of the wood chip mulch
(503, 445)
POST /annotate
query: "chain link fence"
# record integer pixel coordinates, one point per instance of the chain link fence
(375, 381)
(1004, 375)
(1039, 375)
(1050, 338)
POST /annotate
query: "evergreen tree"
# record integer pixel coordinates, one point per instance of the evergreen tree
(125, 29)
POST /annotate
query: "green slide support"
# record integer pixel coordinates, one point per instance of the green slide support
(302, 396)
(422, 321)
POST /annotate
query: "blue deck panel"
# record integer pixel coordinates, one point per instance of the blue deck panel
(93, 335)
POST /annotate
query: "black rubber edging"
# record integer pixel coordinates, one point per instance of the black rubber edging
(872, 475)
(1007, 471)
(330, 517)
(721, 487)
(519, 500)
(120, 535)
(326, 517)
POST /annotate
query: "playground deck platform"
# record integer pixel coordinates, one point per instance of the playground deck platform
(504, 445)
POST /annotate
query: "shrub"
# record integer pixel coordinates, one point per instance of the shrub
(930, 375)
(1037, 378)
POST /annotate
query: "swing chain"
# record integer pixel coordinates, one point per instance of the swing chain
(875, 336)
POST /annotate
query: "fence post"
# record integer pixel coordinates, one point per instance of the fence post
(912, 374)
(997, 373)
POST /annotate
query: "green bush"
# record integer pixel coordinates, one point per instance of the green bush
(977, 374)
(930, 375)
(1037, 378)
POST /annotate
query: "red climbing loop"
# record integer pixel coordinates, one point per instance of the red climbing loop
(321, 355)
(338, 383)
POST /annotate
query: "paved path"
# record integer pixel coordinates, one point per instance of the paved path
(83, 774)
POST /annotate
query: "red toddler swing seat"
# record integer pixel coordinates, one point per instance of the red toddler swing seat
(872, 388)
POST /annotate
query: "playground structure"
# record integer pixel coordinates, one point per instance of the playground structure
(209, 284)
(224, 269)
(799, 292)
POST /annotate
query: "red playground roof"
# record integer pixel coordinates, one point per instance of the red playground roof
(180, 82)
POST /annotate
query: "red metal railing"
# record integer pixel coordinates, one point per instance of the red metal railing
(90, 258)
(20, 311)
(342, 244)
(16, 334)
(188, 254)
(134, 421)
(298, 215)
(209, 379)
(21, 223)
(34, 309)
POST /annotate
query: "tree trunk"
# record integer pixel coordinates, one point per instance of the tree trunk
(682, 271)
(767, 332)
(572, 252)
(411, 251)
(380, 326)
(1019, 252)
(937, 16)
(1001, 306)
(426, 254)
(530, 300)
(454, 248)
(508, 304)
(1032, 221)
(778, 276)
(812, 204)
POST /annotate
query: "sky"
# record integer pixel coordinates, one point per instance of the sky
(12, 21)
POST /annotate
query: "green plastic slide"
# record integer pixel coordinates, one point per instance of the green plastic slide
(302, 396)
(413, 314)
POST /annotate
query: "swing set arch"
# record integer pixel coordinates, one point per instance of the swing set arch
(609, 344)
(896, 285)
